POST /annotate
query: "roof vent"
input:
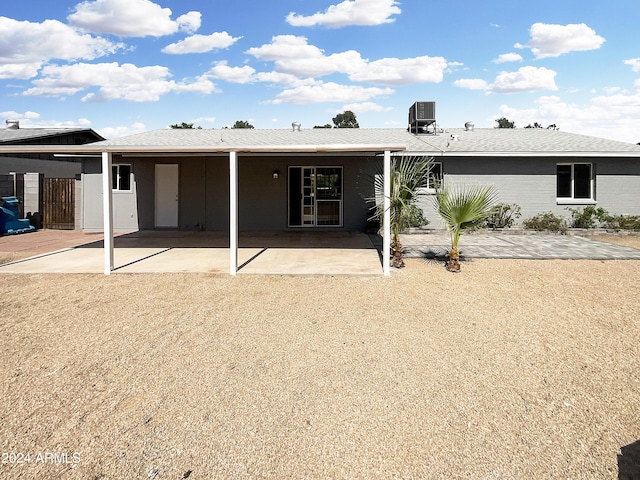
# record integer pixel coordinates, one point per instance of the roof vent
(469, 126)
(422, 115)
(296, 126)
(12, 124)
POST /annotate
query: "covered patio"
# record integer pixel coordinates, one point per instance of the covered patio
(233, 149)
(271, 253)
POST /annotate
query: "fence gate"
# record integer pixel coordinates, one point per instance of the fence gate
(58, 206)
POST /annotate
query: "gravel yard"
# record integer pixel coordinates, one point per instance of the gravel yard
(511, 369)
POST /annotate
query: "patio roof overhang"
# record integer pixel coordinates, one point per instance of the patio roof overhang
(93, 149)
(106, 153)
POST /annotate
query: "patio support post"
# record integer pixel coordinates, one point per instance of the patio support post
(107, 211)
(233, 213)
(386, 220)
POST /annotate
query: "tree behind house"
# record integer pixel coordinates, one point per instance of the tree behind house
(242, 124)
(347, 119)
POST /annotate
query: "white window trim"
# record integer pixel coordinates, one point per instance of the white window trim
(117, 177)
(431, 190)
(572, 200)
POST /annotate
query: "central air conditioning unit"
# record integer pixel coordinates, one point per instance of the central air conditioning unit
(421, 115)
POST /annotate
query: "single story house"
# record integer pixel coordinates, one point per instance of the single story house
(322, 179)
(44, 163)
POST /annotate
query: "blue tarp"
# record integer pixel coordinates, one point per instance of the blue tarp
(10, 221)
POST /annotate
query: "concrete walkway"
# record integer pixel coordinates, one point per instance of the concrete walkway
(496, 245)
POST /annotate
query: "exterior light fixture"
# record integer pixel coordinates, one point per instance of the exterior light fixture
(276, 174)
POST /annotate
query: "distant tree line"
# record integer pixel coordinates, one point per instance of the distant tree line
(504, 122)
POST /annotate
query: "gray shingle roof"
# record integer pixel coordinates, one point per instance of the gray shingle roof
(448, 142)
(17, 135)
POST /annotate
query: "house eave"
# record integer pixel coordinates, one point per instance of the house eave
(200, 150)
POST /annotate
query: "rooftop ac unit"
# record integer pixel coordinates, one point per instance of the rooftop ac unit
(421, 115)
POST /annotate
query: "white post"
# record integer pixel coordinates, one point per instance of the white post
(386, 221)
(233, 213)
(107, 211)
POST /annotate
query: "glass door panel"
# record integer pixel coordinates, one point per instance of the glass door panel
(315, 196)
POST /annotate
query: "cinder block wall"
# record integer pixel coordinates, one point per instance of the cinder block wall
(32, 192)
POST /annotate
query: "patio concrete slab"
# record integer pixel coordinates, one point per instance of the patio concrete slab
(319, 261)
(277, 253)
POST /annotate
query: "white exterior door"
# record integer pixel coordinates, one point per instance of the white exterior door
(166, 195)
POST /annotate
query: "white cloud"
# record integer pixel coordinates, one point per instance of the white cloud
(609, 116)
(293, 55)
(396, 71)
(189, 22)
(114, 81)
(548, 40)
(364, 107)
(122, 130)
(131, 18)
(508, 57)
(526, 79)
(26, 46)
(201, 43)
(329, 92)
(635, 64)
(284, 79)
(349, 12)
(232, 74)
(13, 115)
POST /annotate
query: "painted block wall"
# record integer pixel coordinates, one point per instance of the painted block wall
(531, 183)
(204, 192)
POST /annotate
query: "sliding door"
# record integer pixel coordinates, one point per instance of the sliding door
(315, 196)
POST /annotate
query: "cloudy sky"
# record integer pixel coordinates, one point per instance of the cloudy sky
(124, 66)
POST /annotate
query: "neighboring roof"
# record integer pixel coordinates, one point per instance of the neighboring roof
(22, 135)
(480, 142)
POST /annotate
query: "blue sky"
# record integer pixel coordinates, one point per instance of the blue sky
(125, 66)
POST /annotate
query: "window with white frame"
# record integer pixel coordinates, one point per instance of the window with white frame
(435, 178)
(121, 177)
(574, 181)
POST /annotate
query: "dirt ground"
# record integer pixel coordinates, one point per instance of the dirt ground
(510, 369)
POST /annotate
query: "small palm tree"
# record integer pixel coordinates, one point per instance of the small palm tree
(408, 176)
(463, 208)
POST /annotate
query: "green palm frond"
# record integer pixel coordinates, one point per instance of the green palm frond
(464, 207)
(408, 176)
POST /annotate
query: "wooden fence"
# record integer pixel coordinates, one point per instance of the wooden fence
(58, 207)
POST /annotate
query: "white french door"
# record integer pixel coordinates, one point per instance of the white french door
(315, 196)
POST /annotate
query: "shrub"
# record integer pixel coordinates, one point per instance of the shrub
(624, 222)
(588, 217)
(416, 216)
(546, 222)
(503, 215)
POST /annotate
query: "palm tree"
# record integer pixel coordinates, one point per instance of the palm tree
(463, 208)
(408, 176)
